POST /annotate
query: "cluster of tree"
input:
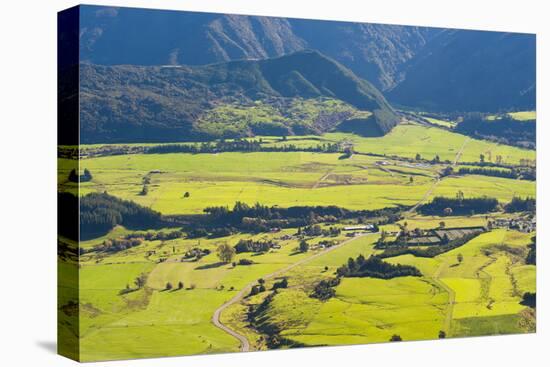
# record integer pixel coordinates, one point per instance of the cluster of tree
(487, 172)
(156, 236)
(258, 288)
(245, 262)
(316, 230)
(505, 129)
(250, 245)
(225, 253)
(239, 145)
(118, 244)
(101, 212)
(146, 181)
(283, 283)
(518, 204)
(327, 243)
(85, 177)
(375, 267)
(459, 205)
(303, 246)
(523, 174)
(169, 286)
(197, 232)
(139, 283)
(324, 290)
(196, 253)
(260, 218)
(397, 249)
(531, 258)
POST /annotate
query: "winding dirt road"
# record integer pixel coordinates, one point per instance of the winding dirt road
(245, 344)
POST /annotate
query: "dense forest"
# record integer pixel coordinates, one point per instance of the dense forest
(521, 205)
(397, 249)
(375, 267)
(458, 206)
(239, 145)
(101, 212)
(187, 110)
(260, 218)
(505, 129)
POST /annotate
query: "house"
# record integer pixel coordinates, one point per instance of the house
(366, 227)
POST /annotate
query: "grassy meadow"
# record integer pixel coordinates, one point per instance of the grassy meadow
(477, 295)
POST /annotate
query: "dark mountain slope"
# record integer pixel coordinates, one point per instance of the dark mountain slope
(153, 103)
(429, 68)
(471, 71)
(112, 36)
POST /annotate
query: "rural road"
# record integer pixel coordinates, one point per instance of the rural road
(245, 344)
(438, 179)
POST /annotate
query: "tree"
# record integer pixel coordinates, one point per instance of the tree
(460, 195)
(87, 176)
(261, 281)
(482, 158)
(411, 179)
(187, 194)
(225, 253)
(144, 190)
(459, 258)
(168, 286)
(442, 334)
(441, 224)
(73, 177)
(141, 280)
(304, 246)
(180, 285)
(282, 284)
(395, 338)
(418, 157)
(447, 171)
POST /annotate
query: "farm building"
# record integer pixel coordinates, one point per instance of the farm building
(522, 225)
(437, 236)
(366, 227)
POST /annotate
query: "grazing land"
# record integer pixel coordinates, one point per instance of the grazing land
(475, 289)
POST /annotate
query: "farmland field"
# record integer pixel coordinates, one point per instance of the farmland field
(301, 178)
(478, 295)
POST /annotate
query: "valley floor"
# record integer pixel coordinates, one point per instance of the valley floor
(479, 294)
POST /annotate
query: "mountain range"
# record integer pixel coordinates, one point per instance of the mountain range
(431, 69)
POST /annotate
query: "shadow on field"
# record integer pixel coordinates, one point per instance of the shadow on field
(210, 266)
(48, 345)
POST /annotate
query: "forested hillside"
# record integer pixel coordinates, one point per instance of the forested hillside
(305, 92)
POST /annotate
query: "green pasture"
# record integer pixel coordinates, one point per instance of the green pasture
(153, 321)
(476, 296)
(407, 140)
(486, 288)
(283, 179)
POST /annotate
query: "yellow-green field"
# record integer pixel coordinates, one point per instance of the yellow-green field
(303, 178)
(477, 295)
(155, 322)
